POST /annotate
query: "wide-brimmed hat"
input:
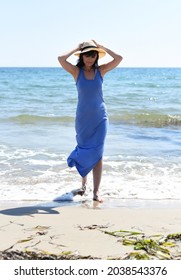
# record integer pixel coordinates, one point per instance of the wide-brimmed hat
(90, 46)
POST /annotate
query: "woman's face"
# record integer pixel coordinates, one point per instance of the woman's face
(89, 58)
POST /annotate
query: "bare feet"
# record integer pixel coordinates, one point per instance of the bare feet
(97, 198)
(80, 191)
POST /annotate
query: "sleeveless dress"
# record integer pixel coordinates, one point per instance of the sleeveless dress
(90, 124)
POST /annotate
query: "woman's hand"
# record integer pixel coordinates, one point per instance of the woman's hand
(80, 46)
(97, 45)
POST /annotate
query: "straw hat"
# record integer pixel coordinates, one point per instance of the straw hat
(90, 46)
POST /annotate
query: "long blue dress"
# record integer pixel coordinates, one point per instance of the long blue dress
(90, 124)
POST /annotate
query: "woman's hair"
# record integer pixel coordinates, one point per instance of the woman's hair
(80, 62)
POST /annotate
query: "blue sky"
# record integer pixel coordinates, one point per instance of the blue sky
(145, 32)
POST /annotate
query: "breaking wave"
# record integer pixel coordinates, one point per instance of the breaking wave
(137, 119)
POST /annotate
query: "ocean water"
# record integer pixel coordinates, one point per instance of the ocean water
(142, 158)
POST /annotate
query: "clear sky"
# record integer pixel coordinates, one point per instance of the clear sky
(145, 32)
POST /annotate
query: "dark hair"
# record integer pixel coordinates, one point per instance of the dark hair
(80, 62)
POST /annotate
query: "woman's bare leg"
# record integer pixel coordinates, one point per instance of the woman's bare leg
(97, 175)
(84, 181)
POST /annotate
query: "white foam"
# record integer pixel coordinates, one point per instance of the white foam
(41, 175)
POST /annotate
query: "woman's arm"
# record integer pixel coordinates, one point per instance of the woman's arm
(72, 69)
(112, 64)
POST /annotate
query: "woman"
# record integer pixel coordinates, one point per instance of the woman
(91, 115)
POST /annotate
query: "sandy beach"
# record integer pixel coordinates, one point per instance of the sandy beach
(89, 230)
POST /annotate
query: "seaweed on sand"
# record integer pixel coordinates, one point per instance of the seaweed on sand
(30, 255)
(155, 247)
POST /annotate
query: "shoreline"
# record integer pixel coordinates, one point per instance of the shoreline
(109, 203)
(88, 230)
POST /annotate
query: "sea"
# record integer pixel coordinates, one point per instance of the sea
(142, 157)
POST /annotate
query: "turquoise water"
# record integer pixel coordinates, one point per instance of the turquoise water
(142, 157)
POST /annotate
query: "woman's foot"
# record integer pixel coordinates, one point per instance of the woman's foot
(82, 190)
(79, 191)
(97, 198)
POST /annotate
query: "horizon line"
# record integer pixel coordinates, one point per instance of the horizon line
(114, 68)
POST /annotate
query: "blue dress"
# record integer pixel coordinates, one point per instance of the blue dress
(90, 124)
